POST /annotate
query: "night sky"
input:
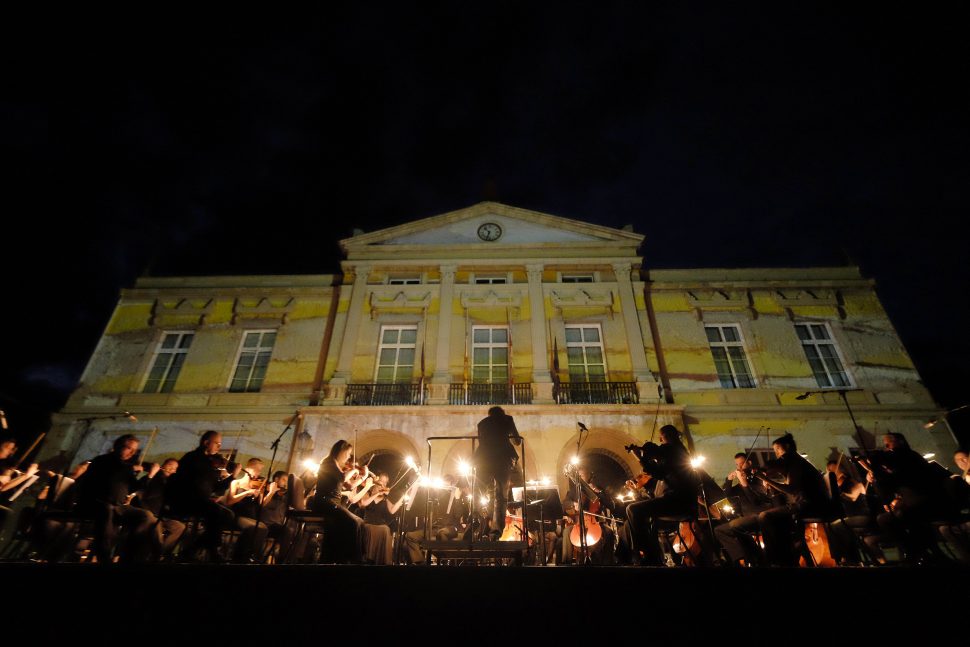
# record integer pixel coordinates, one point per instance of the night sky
(736, 136)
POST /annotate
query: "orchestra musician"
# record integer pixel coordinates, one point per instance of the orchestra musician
(670, 463)
(167, 531)
(9, 479)
(103, 493)
(344, 535)
(962, 459)
(495, 459)
(804, 496)
(449, 513)
(735, 536)
(272, 510)
(913, 495)
(380, 520)
(243, 491)
(957, 534)
(602, 551)
(190, 492)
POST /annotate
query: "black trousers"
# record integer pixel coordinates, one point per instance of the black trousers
(343, 535)
(641, 517)
(735, 538)
(496, 477)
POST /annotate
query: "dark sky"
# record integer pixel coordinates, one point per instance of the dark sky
(738, 136)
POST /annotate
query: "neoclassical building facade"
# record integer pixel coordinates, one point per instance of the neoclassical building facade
(557, 320)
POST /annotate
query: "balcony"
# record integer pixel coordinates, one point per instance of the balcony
(596, 393)
(490, 393)
(380, 395)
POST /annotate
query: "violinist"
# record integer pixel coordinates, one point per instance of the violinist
(243, 492)
(670, 463)
(732, 484)
(344, 530)
(272, 523)
(10, 478)
(380, 520)
(190, 490)
(103, 493)
(751, 492)
(913, 495)
(735, 536)
(804, 496)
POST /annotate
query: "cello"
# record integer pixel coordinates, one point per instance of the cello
(594, 532)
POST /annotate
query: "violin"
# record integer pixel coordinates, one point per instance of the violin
(639, 481)
(257, 485)
(647, 450)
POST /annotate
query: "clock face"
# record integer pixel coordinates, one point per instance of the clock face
(489, 231)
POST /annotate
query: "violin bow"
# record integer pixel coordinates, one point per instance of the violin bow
(747, 455)
(148, 446)
(30, 449)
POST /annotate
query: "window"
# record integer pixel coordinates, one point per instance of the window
(257, 347)
(490, 280)
(577, 278)
(404, 280)
(168, 362)
(490, 355)
(395, 357)
(729, 359)
(584, 347)
(822, 355)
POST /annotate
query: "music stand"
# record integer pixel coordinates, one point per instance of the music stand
(550, 507)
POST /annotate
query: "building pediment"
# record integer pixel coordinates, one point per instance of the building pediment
(489, 227)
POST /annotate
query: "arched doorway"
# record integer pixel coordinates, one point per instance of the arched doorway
(609, 471)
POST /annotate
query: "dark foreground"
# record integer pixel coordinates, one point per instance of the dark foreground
(355, 606)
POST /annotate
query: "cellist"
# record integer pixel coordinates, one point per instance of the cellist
(600, 550)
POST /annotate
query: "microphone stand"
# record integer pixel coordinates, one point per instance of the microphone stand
(268, 477)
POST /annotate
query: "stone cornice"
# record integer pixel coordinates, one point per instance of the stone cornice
(607, 234)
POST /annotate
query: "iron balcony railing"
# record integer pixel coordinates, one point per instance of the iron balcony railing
(490, 393)
(596, 393)
(377, 395)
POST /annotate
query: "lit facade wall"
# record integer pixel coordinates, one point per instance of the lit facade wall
(544, 274)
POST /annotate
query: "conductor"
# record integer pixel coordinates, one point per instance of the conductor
(495, 459)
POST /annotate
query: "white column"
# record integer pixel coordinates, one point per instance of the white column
(537, 309)
(349, 342)
(631, 320)
(442, 360)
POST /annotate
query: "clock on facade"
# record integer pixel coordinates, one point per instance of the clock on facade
(489, 231)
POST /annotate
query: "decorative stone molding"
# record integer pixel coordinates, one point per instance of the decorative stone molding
(816, 297)
(262, 309)
(170, 312)
(490, 298)
(580, 298)
(448, 273)
(720, 299)
(622, 272)
(534, 272)
(382, 301)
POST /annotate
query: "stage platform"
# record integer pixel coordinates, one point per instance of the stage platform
(480, 603)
